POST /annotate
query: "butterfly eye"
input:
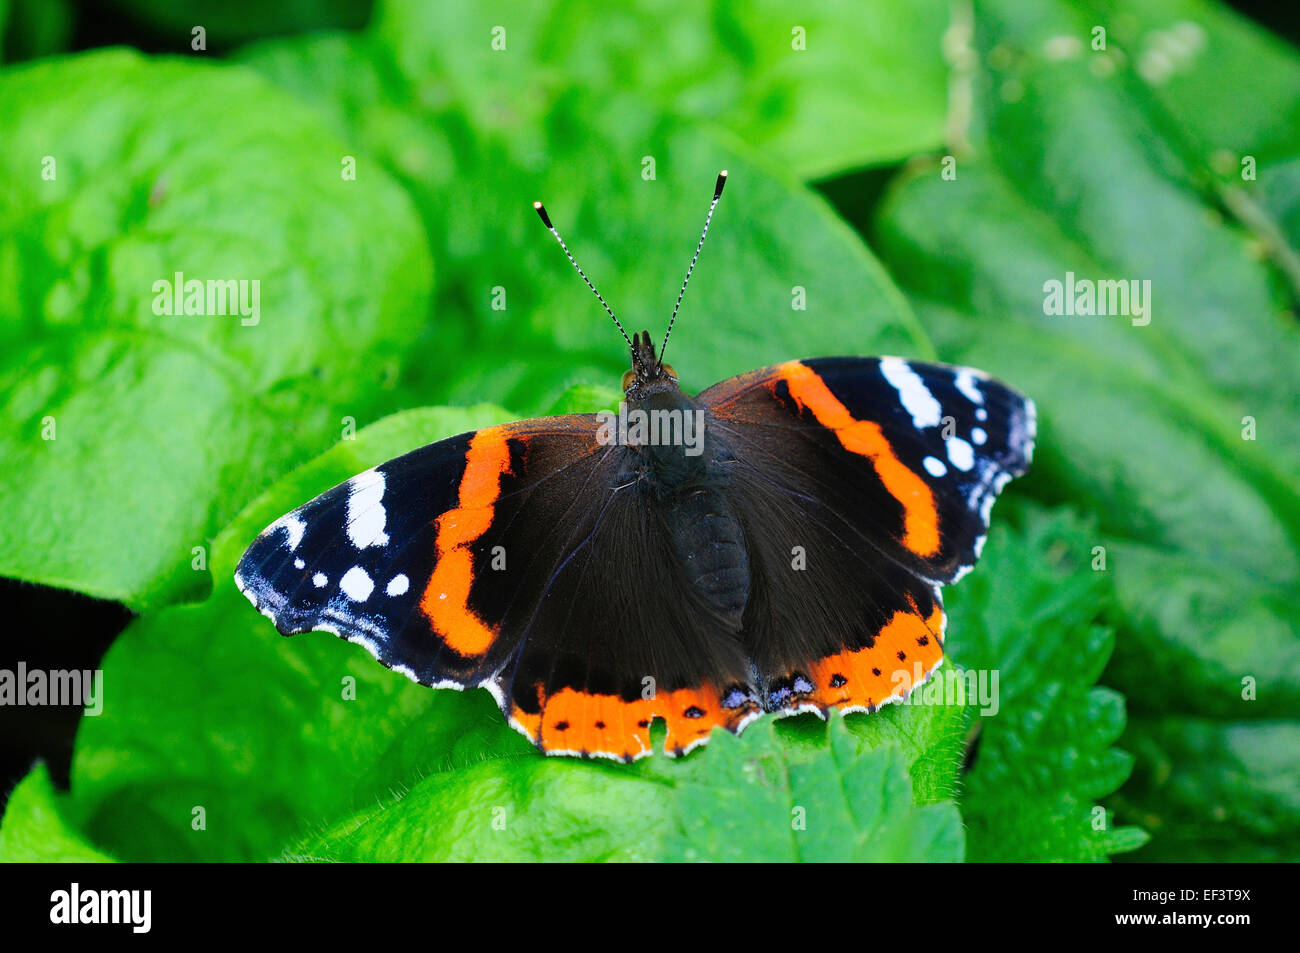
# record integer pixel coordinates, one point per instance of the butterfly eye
(628, 378)
(668, 369)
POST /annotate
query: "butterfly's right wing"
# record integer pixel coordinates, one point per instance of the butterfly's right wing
(866, 484)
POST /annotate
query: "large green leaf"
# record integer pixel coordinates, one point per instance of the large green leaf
(34, 828)
(790, 794)
(772, 244)
(227, 23)
(1190, 516)
(1178, 436)
(1081, 145)
(163, 426)
(1215, 790)
(817, 89)
(1192, 60)
(848, 802)
(1043, 755)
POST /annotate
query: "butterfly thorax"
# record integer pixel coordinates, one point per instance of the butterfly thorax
(680, 472)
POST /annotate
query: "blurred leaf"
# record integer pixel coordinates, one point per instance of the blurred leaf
(586, 400)
(1043, 755)
(230, 22)
(1081, 145)
(1148, 428)
(1193, 60)
(817, 90)
(1175, 481)
(34, 830)
(1215, 791)
(165, 425)
(1196, 58)
(475, 181)
(30, 29)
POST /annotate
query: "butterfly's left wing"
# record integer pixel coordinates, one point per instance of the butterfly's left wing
(398, 557)
(526, 559)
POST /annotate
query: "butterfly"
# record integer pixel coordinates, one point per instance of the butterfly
(773, 544)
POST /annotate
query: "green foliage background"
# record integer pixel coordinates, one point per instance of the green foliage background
(177, 432)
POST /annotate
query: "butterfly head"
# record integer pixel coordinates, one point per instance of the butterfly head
(648, 374)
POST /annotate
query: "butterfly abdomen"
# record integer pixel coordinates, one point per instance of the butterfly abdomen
(710, 545)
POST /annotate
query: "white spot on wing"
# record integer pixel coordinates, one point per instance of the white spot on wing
(915, 396)
(978, 436)
(934, 466)
(319, 580)
(356, 584)
(965, 383)
(299, 564)
(960, 454)
(293, 526)
(397, 585)
(366, 516)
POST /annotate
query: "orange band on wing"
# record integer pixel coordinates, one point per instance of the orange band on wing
(920, 516)
(446, 598)
(865, 678)
(578, 722)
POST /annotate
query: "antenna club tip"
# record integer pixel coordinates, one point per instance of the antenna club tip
(722, 180)
(541, 211)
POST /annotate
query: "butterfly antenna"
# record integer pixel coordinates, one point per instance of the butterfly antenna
(717, 194)
(546, 220)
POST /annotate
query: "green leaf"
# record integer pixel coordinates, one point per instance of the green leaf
(771, 244)
(230, 22)
(1192, 59)
(1178, 436)
(1195, 58)
(34, 828)
(1215, 790)
(832, 87)
(1082, 145)
(1043, 754)
(131, 437)
(751, 802)
(33, 28)
(879, 787)
(1155, 452)
(586, 399)
(984, 267)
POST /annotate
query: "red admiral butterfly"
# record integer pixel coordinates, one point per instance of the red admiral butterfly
(773, 544)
